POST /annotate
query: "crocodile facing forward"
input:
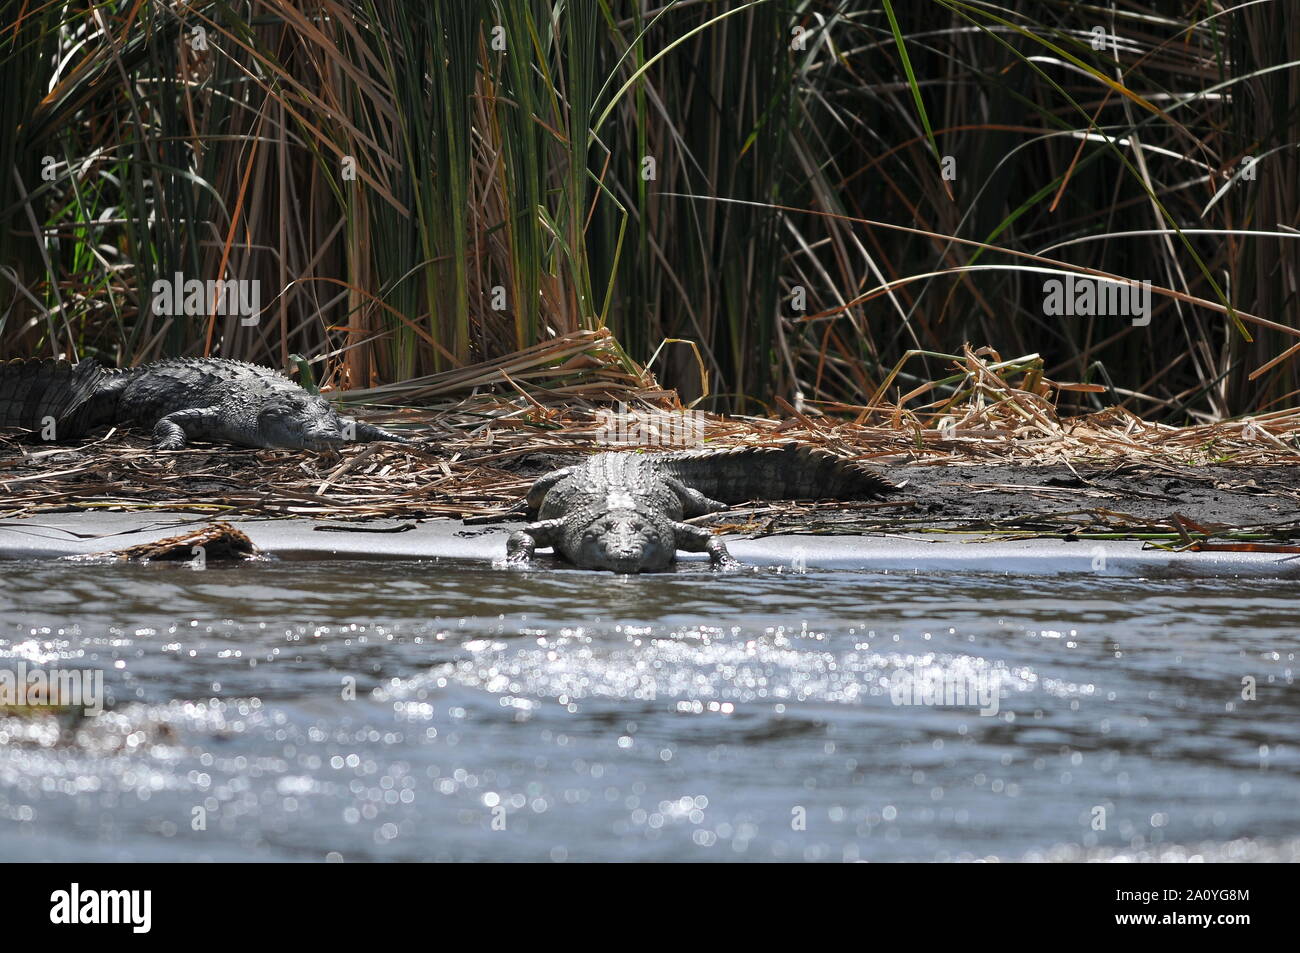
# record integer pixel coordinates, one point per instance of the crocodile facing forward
(623, 511)
(180, 399)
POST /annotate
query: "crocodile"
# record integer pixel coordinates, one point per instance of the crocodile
(624, 511)
(179, 399)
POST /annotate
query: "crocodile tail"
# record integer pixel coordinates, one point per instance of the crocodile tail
(35, 392)
(789, 471)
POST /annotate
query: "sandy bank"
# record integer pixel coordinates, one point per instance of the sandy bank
(64, 534)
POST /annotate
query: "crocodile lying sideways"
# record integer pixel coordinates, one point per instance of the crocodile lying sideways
(624, 511)
(180, 399)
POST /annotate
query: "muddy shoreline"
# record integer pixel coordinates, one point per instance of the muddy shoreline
(1059, 500)
(452, 544)
(483, 480)
(1030, 519)
(1052, 500)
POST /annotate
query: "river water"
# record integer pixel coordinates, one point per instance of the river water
(433, 711)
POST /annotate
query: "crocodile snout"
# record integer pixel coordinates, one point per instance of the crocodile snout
(615, 545)
(628, 559)
(325, 436)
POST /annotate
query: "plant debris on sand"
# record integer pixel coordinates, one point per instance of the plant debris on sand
(218, 540)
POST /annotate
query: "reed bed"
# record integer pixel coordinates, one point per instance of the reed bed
(806, 192)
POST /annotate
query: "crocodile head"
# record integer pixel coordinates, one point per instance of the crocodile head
(301, 422)
(626, 540)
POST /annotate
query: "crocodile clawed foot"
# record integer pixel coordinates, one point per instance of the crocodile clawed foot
(520, 561)
(520, 547)
(720, 558)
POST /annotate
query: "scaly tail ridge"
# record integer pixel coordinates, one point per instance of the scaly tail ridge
(789, 471)
(33, 392)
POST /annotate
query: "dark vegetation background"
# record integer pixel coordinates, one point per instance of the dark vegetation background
(216, 139)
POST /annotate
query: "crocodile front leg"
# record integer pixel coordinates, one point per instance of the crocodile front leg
(694, 503)
(697, 539)
(523, 543)
(172, 432)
